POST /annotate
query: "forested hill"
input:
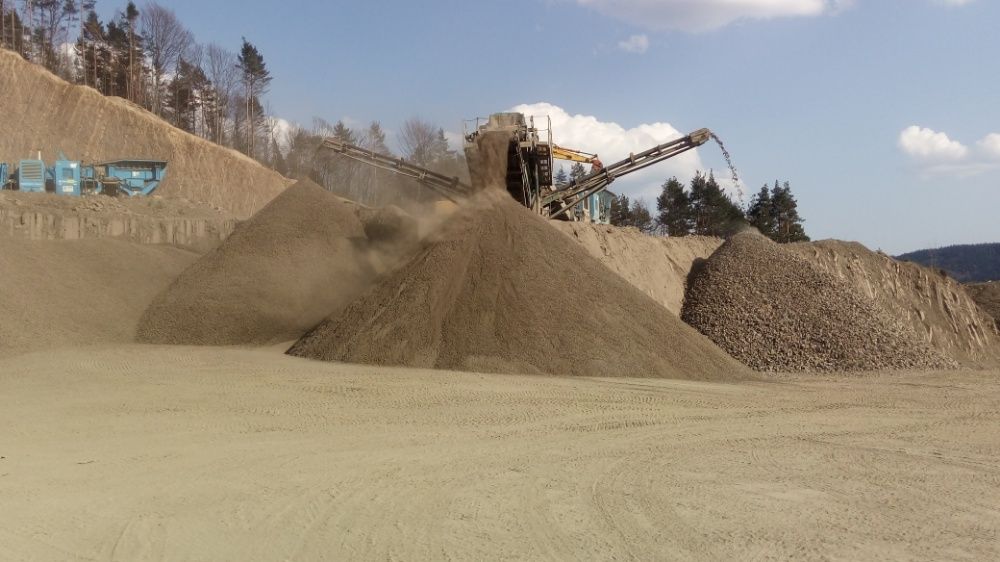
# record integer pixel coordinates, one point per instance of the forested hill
(969, 263)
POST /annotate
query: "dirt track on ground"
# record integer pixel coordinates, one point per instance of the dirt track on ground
(135, 453)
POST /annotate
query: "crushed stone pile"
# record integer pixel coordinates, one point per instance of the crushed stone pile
(279, 274)
(497, 289)
(987, 297)
(775, 311)
(42, 111)
(79, 292)
(938, 309)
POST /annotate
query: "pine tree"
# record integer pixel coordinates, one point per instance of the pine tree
(713, 212)
(788, 223)
(256, 78)
(185, 94)
(130, 17)
(375, 139)
(576, 172)
(761, 213)
(641, 218)
(562, 180)
(674, 206)
(621, 211)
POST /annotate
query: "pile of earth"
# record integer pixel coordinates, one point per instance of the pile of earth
(656, 265)
(776, 311)
(987, 296)
(938, 309)
(43, 112)
(300, 259)
(498, 289)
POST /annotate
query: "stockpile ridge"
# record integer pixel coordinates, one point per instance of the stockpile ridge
(939, 310)
(499, 290)
(775, 311)
(280, 273)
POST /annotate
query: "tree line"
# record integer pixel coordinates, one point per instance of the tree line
(703, 208)
(150, 58)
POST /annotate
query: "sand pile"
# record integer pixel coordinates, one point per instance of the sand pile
(279, 274)
(42, 111)
(987, 296)
(934, 306)
(656, 265)
(775, 311)
(58, 293)
(499, 290)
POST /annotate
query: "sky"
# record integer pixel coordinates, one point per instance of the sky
(882, 114)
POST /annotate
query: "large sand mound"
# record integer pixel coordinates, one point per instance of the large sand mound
(280, 273)
(775, 311)
(498, 289)
(656, 265)
(936, 307)
(58, 293)
(42, 111)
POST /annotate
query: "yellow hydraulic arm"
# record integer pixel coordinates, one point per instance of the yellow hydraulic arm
(572, 155)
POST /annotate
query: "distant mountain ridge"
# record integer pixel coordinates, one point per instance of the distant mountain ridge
(969, 263)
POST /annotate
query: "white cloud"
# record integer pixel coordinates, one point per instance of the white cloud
(990, 145)
(706, 15)
(938, 155)
(954, 2)
(612, 143)
(282, 130)
(930, 146)
(637, 44)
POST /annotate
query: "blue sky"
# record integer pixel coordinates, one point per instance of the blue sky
(877, 111)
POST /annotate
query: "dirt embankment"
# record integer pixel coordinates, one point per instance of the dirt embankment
(43, 112)
(776, 311)
(62, 293)
(656, 265)
(499, 290)
(300, 259)
(147, 220)
(934, 306)
(987, 296)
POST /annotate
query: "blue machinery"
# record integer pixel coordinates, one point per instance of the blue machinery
(69, 177)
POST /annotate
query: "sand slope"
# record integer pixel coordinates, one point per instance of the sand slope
(58, 293)
(139, 454)
(52, 115)
(987, 296)
(936, 307)
(656, 265)
(280, 273)
(500, 290)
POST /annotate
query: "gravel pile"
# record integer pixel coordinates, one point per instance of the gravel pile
(497, 289)
(775, 311)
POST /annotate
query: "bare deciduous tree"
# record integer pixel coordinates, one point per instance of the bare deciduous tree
(166, 40)
(417, 139)
(220, 66)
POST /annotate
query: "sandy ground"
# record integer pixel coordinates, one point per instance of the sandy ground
(154, 453)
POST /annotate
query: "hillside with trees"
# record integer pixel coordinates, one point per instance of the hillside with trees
(146, 55)
(973, 263)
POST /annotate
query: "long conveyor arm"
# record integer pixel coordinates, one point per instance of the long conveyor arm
(570, 196)
(448, 187)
